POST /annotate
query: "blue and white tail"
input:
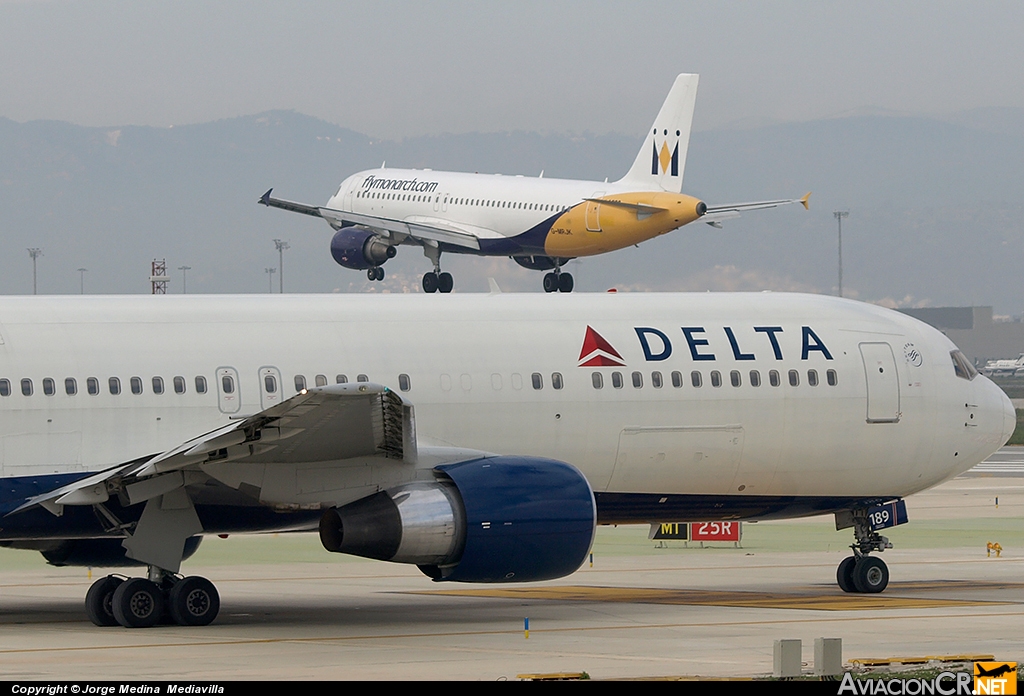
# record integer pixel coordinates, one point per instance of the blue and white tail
(659, 165)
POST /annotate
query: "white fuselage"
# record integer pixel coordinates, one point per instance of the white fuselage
(887, 416)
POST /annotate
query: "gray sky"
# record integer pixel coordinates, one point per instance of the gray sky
(392, 69)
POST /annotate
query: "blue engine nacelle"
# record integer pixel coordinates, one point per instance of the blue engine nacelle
(494, 519)
(353, 247)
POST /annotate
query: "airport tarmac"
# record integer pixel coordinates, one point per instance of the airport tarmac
(292, 611)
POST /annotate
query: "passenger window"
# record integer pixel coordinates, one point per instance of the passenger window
(773, 378)
(638, 380)
(617, 380)
(755, 378)
(179, 385)
(677, 380)
(695, 378)
(794, 378)
(26, 387)
(321, 380)
(300, 382)
(466, 381)
(362, 378)
(201, 384)
(49, 387)
(812, 378)
(70, 386)
(5, 387)
(716, 378)
(831, 377)
(270, 384)
(114, 385)
(556, 380)
(538, 380)
(403, 382)
(158, 385)
(598, 379)
(136, 384)
(227, 384)
(92, 385)
(341, 379)
(735, 379)
(517, 380)
(496, 381)
(656, 380)
(446, 383)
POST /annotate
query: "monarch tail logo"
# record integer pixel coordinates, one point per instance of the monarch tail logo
(597, 352)
(662, 159)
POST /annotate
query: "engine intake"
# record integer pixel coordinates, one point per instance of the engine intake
(494, 519)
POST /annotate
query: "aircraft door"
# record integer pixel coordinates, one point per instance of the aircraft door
(883, 383)
(593, 215)
(271, 391)
(229, 397)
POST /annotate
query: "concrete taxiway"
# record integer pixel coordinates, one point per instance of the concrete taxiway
(292, 611)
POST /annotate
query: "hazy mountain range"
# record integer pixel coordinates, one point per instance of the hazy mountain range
(935, 206)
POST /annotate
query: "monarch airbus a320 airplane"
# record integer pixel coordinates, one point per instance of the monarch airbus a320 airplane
(540, 223)
(482, 441)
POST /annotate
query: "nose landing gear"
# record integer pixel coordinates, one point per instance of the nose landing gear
(861, 572)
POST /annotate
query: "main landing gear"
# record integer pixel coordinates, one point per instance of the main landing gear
(375, 273)
(861, 572)
(161, 598)
(557, 281)
(436, 281)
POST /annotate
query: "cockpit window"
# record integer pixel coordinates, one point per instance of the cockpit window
(963, 367)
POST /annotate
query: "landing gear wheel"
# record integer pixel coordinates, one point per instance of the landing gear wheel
(193, 601)
(137, 603)
(99, 598)
(844, 574)
(870, 575)
(445, 282)
(550, 282)
(430, 282)
(564, 282)
(380, 273)
(375, 273)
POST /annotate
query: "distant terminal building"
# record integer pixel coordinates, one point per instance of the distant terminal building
(974, 331)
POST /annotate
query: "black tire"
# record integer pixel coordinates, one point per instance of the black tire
(371, 274)
(870, 575)
(429, 282)
(550, 282)
(380, 273)
(99, 598)
(445, 282)
(194, 601)
(565, 282)
(138, 603)
(844, 574)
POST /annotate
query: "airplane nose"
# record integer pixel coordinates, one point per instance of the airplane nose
(1009, 416)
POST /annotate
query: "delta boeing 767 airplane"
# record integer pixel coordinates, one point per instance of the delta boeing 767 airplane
(482, 440)
(540, 223)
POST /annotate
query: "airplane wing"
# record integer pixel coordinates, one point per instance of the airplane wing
(332, 423)
(418, 230)
(717, 213)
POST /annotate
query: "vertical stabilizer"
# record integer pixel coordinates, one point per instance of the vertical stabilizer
(659, 165)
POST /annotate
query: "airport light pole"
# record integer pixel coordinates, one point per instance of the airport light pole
(270, 278)
(81, 280)
(184, 278)
(35, 254)
(839, 215)
(281, 246)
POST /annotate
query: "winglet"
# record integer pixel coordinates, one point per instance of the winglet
(805, 200)
(265, 198)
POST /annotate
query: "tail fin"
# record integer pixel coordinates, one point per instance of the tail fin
(659, 165)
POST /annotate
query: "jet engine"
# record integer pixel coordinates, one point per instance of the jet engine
(539, 263)
(353, 247)
(494, 519)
